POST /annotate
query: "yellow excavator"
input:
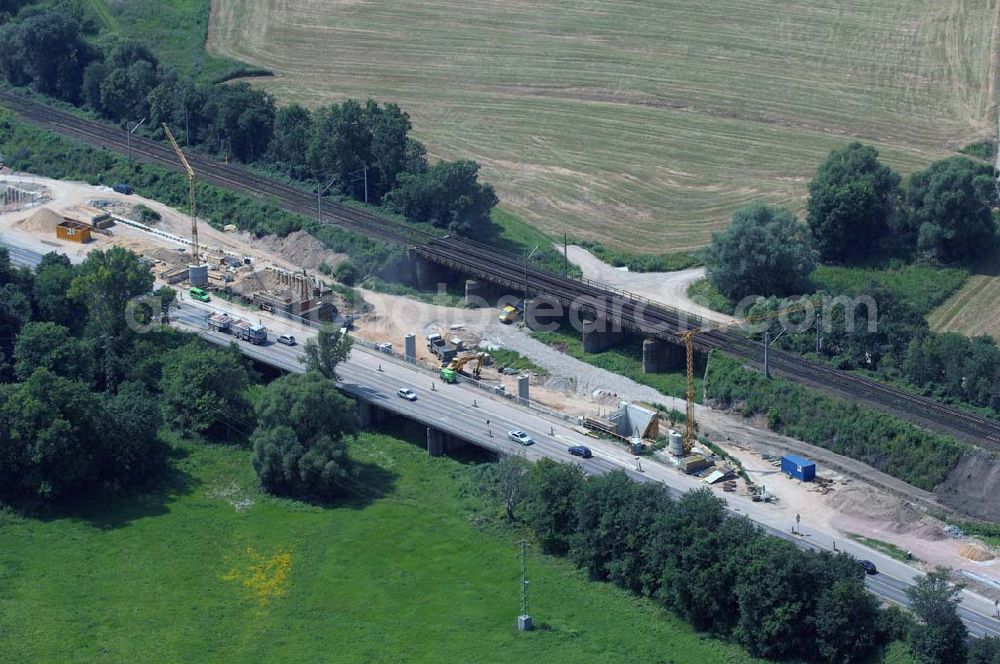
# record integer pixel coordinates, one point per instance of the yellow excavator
(449, 374)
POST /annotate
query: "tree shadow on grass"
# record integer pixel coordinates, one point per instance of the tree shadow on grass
(989, 265)
(367, 484)
(109, 512)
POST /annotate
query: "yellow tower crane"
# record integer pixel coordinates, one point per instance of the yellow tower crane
(195, 252)
(687, 338)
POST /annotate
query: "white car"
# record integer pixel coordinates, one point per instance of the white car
(520, 437)
(406, 393)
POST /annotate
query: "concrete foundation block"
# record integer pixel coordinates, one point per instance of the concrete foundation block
(435, 442)
(600, 335)
(660, 355)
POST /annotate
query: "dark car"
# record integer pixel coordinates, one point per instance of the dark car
(581, 451)
(122, 188)
(868, 566)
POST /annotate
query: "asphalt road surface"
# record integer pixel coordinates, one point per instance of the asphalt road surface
(21, 257)
(465, 410)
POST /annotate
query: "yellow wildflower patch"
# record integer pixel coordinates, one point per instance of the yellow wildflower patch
(264, 578)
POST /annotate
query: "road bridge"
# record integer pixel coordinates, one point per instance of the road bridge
(463, 414)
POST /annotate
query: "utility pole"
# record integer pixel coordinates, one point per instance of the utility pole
(524, 623)
(767, 343)
(527, 257)
(319, 200)
(565, 255)
(819, 337)
(366, 183)
(128, 137)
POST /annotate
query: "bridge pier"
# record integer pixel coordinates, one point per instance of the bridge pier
(543, 314)
(435, 442)
(661, 355)
(440, 443)
(523, 396)
(426, 274)
(369, 414)
(481, 294)
(599, 335)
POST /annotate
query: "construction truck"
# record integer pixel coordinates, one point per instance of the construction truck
(241, 329)
(449, 374)
(219, 322)
(247, 331)
(437, 344)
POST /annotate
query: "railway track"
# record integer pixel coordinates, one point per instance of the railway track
(658, 320)
(474, 258)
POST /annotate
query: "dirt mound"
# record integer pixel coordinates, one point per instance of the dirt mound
(42, 220)
(973, 552)
(299, 248)
(930, 531)
(867, 503)
(972, 486)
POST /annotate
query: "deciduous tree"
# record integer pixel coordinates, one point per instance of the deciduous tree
(951, 208)
(325, 351)
(852, 200)
(940, 636)
(765, 252)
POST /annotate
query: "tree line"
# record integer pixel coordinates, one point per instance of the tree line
(364, 149)
(860, 212)
(85, 398)
(894, 446)
(719, 571)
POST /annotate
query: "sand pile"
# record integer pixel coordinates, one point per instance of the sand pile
(42, 220)
(298, 248)
(866, 503)
(931, 530)
(973, 552)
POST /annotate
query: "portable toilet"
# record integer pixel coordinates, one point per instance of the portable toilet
(798, 467)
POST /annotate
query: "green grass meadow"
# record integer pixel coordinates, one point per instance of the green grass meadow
(177, 29)
(624, 358)
(397, 575)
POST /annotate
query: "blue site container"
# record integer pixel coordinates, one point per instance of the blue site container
(798, 467)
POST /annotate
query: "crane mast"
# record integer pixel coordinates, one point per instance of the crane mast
(195, 250)
(687, 338)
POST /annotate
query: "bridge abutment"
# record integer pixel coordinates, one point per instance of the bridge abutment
(660, 355)
(600, 335)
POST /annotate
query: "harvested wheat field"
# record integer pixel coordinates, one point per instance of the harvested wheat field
(660, 117)
(975, 308)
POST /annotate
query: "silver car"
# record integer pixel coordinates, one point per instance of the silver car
(520, 437)
(406, 393)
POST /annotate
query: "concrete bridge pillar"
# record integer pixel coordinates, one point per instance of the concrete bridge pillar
(370, 414)
(599, 335)
(366, 414)
(661, 355)
(481, 294)
(544, 314)
(427, 274)
(522, 389)
(451, 443)
(435, 442)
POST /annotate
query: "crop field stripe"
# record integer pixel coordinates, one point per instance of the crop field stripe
(636, 123)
